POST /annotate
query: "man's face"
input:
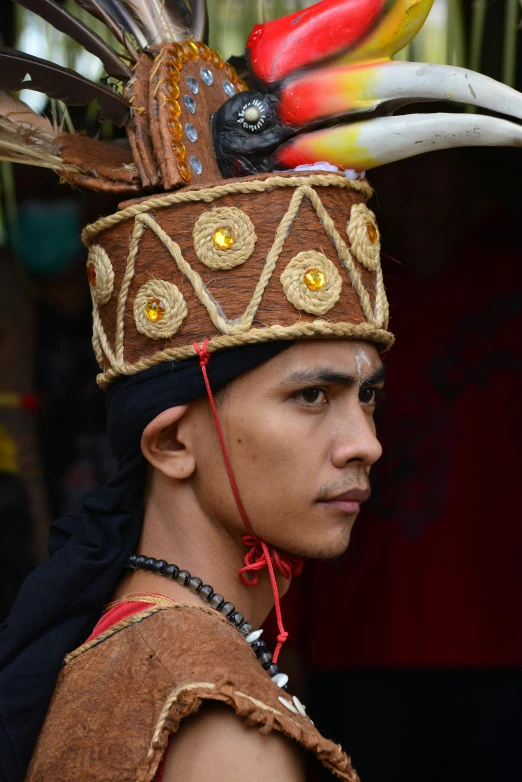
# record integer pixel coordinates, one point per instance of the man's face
(300, 436)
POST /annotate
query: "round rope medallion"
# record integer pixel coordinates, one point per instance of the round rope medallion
(364, 236)
(312, 283)
(159, 309)
(224, 237)
(100, 274)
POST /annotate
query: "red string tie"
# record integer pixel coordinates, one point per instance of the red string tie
(259, 554)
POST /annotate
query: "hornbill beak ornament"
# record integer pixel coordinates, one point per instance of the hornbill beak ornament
(328, 89)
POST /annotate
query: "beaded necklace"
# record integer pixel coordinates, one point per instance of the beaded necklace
(219, 604)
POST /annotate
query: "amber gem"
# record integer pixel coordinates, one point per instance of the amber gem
(172, 89)
(230, 73)
(314, 279)
(154, 310)
(173, 72)
(91, 273)
(204, 51)
(242, 85)
(223, 238)
(216, 59)
(191, 50)
(174, 109)
(179, 150)
(184, 170)
(372, 231)
(176, 129)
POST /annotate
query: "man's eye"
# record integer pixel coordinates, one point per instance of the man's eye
(368, 396)
(312, 395)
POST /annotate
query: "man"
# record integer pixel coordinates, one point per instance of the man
(267, 287)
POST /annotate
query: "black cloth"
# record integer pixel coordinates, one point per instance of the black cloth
(61, 601)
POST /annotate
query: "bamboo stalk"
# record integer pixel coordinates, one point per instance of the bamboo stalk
(509, 59)
(455, 33)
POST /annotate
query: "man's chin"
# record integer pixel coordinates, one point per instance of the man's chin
(322, 547)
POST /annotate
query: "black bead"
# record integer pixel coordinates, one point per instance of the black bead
(265, 659)
(236, 618)
(140, 562)
(216, 601)
(245, 629)
(227, 609)
(206, 592)
(160, 566)
(195, 584)
(171, 571)
(272, 670)
(150, 563)
(259, 647)
(183, 577)
(132, 561)
(285, 687)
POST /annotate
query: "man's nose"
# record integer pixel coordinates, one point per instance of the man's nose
(356, 440)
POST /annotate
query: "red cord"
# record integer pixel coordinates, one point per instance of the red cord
(260, 554)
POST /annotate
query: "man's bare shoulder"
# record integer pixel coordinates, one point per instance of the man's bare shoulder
(217, 745)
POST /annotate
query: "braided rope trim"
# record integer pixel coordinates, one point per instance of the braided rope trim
(174, 309)
(102, 289)
(208, 691)
(316, 302)
(242, 229)
(223, 324)
(212, 193)
(116, 628)
(361, 221)
(317, 329)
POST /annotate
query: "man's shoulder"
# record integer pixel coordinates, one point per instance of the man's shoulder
(127, 692)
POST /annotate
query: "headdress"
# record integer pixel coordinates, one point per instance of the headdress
(249, 225)
(229, 241)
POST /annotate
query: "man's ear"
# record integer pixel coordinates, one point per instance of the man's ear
(165, 446)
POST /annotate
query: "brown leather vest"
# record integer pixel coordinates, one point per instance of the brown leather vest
(119, 697)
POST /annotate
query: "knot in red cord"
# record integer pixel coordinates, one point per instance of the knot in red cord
(204, 355)
(257, 557)
(282, 637)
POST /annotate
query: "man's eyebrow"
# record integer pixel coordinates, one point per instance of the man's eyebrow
(328, 375)
(378, 377)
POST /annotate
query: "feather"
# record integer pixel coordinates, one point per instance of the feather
(21, 71)
(27, 137)
(66, 23)
(199, 23)
(16, 111)
(117, 18)
(162, 20)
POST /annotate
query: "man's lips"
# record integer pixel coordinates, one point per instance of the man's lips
(348, 501)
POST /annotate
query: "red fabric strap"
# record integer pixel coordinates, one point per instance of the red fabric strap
(259, 554)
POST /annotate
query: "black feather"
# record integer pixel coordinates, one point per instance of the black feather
(20, 71)
(122, 19)
(66, 23)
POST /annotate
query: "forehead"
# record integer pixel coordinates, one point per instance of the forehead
(350, 357)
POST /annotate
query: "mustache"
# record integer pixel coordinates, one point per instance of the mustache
(346, 484)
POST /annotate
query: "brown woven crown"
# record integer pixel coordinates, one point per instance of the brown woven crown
(277, 257)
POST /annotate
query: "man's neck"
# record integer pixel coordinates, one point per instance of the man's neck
(188, 538)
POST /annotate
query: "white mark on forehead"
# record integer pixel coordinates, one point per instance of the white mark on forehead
(362, 363)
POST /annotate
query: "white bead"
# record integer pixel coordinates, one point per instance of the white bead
(289, 705)
(280, 679)
(252, 114)
(299, 706)
(254, 636)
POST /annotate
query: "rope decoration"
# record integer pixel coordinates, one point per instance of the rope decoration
(364, 236)
(231, 225)
(321, 300)
(100, 274)
(159, 309)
